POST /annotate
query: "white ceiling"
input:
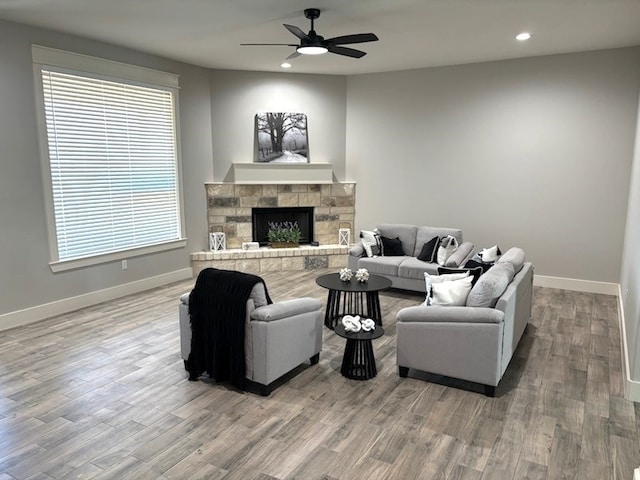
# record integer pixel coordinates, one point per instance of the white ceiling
(413, 33)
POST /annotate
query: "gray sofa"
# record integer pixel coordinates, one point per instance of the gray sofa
(474, 343)
(407, 272)
(278, 336)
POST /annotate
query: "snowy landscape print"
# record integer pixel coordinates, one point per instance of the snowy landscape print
(282, 137)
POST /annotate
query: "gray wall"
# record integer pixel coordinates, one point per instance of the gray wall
(534, 152)
(237, 96)
(630, 278)
(26, 278)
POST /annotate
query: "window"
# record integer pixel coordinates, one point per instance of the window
(112, 163)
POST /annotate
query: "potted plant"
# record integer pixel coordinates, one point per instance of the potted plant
(284, 234)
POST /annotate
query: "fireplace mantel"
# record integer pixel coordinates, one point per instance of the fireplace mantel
(281, 173)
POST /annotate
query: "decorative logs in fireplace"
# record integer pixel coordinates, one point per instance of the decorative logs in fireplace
(261, 217)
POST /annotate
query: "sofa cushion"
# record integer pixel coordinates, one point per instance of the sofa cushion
(491, 285)
(286, 308)
(515, 256)
(391, 247)
(406, 234)
(429, 250)
(424, 234)
(381, 265)
(413, 268)
(452, 292)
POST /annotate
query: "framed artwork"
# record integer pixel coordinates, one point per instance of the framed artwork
(281, 137)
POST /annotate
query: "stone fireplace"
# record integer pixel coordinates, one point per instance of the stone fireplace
(229, 207)
(230, 210)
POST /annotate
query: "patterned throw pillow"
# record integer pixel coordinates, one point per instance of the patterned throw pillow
(371, 242)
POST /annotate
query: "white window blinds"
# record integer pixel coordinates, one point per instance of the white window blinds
(114, 169)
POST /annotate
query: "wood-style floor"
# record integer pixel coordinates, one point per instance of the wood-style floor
(101, 393)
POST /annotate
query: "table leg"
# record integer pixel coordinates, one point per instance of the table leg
(373, 307)
(358, 361)
(332, 311)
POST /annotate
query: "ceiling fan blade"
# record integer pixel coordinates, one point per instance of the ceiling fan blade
(347, 52)
(293, 55)
(296, 31)
(268, 45)
(355, 38)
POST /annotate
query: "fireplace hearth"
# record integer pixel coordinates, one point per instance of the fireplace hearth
(261, 217)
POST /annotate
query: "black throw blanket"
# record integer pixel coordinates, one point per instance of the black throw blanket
(218, 309)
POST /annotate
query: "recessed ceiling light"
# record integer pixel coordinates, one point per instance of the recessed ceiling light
(285, 65)
(523, 36)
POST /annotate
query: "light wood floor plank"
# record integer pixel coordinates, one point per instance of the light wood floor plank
(101, 393)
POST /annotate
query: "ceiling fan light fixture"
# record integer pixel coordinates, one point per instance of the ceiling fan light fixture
(312, 50)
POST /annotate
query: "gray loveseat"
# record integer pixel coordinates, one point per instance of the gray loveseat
(473, 343)
(407, 271)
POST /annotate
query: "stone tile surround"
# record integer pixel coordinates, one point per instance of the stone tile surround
(229, 207)
(229, 211)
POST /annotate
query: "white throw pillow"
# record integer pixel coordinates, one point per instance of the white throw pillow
(451, 293)
(429, 280)
(448, 245)
(370, 240)
(490, 254)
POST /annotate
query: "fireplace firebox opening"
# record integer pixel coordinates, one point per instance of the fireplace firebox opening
(261, 217)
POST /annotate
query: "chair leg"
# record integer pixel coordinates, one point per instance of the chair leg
(403, 371)
(265, 390)
(315, 359)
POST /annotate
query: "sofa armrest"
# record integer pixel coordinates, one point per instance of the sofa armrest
(286, 308)
(460, 256)
(356, 250)
(435, 314)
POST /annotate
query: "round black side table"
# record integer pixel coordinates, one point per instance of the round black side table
(351, 298)
(358, 361)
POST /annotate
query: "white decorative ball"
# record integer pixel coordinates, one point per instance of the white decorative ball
(362, 275)
(346, 274)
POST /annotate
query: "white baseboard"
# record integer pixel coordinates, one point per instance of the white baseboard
(576, 285)
(66, 305)
(631, 387)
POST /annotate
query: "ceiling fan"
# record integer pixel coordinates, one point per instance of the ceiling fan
(313, 44)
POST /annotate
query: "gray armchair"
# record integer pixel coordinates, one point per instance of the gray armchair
(278, 336)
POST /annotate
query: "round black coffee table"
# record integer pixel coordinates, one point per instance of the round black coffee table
(351, 298)
(358, 361)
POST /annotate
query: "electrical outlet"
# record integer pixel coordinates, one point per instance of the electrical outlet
(124, 264)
